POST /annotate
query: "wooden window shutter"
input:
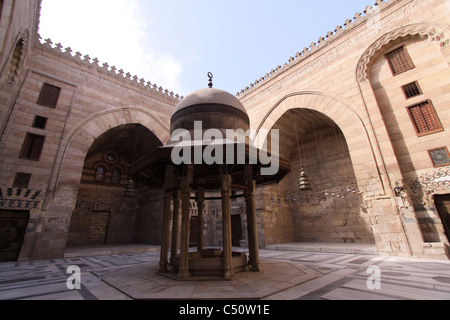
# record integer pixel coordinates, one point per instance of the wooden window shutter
(49, 96)
(22, 180)
(424, 118)
(399, 61)
(32, 147)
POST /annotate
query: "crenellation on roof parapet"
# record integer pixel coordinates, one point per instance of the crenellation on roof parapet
(349, 24)
(105, 68)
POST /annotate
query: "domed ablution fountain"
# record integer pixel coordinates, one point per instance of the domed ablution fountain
(200, 157)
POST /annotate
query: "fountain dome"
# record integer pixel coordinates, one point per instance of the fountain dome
(215, 108)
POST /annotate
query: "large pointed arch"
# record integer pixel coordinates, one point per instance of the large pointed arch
(350, 123)
(79, 140)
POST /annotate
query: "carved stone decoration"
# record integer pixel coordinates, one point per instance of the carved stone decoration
(425, 186)
(20, 199)
(17, 57)
(434, 33)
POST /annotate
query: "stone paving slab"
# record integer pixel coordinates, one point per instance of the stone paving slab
(343, 248)
(107, 250)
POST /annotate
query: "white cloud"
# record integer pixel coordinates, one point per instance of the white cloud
(114, 31)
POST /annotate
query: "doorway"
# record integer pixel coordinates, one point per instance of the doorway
(98, 229)
(13, 225)
(443, 207)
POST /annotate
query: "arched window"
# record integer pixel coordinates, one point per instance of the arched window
(116, 176)
(100, 174)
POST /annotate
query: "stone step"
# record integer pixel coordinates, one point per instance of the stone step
(344, 248)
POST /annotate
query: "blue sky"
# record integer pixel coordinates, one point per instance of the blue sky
(175, 43)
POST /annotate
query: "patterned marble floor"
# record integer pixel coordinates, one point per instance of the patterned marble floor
(346, 277)
(337, 277)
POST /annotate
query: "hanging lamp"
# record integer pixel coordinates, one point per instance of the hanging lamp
(130, 189)
(304, 184)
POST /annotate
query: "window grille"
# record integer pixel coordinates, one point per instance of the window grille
(399, 61)
(440, 157)
(412, 90)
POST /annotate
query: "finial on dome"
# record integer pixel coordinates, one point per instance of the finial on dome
(210, 76)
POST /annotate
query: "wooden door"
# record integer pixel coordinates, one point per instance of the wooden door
(98, 229)
(443, 207)
(13, 226)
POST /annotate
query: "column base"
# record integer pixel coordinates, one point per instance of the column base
(227, 274)
(255, 269)
(183, 275)
(163, 268)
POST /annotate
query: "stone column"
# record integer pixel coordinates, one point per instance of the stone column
(200, 202)
(249, 195)
(166, 234)
(226, 216)
(168, 183)
(183, 269)
(252, 229)
(175, 224)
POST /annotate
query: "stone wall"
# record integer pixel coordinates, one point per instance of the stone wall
(120, 217)
(149, 220)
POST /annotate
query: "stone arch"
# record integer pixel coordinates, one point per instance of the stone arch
(347, 119)
(434, 31)
(79, 140)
